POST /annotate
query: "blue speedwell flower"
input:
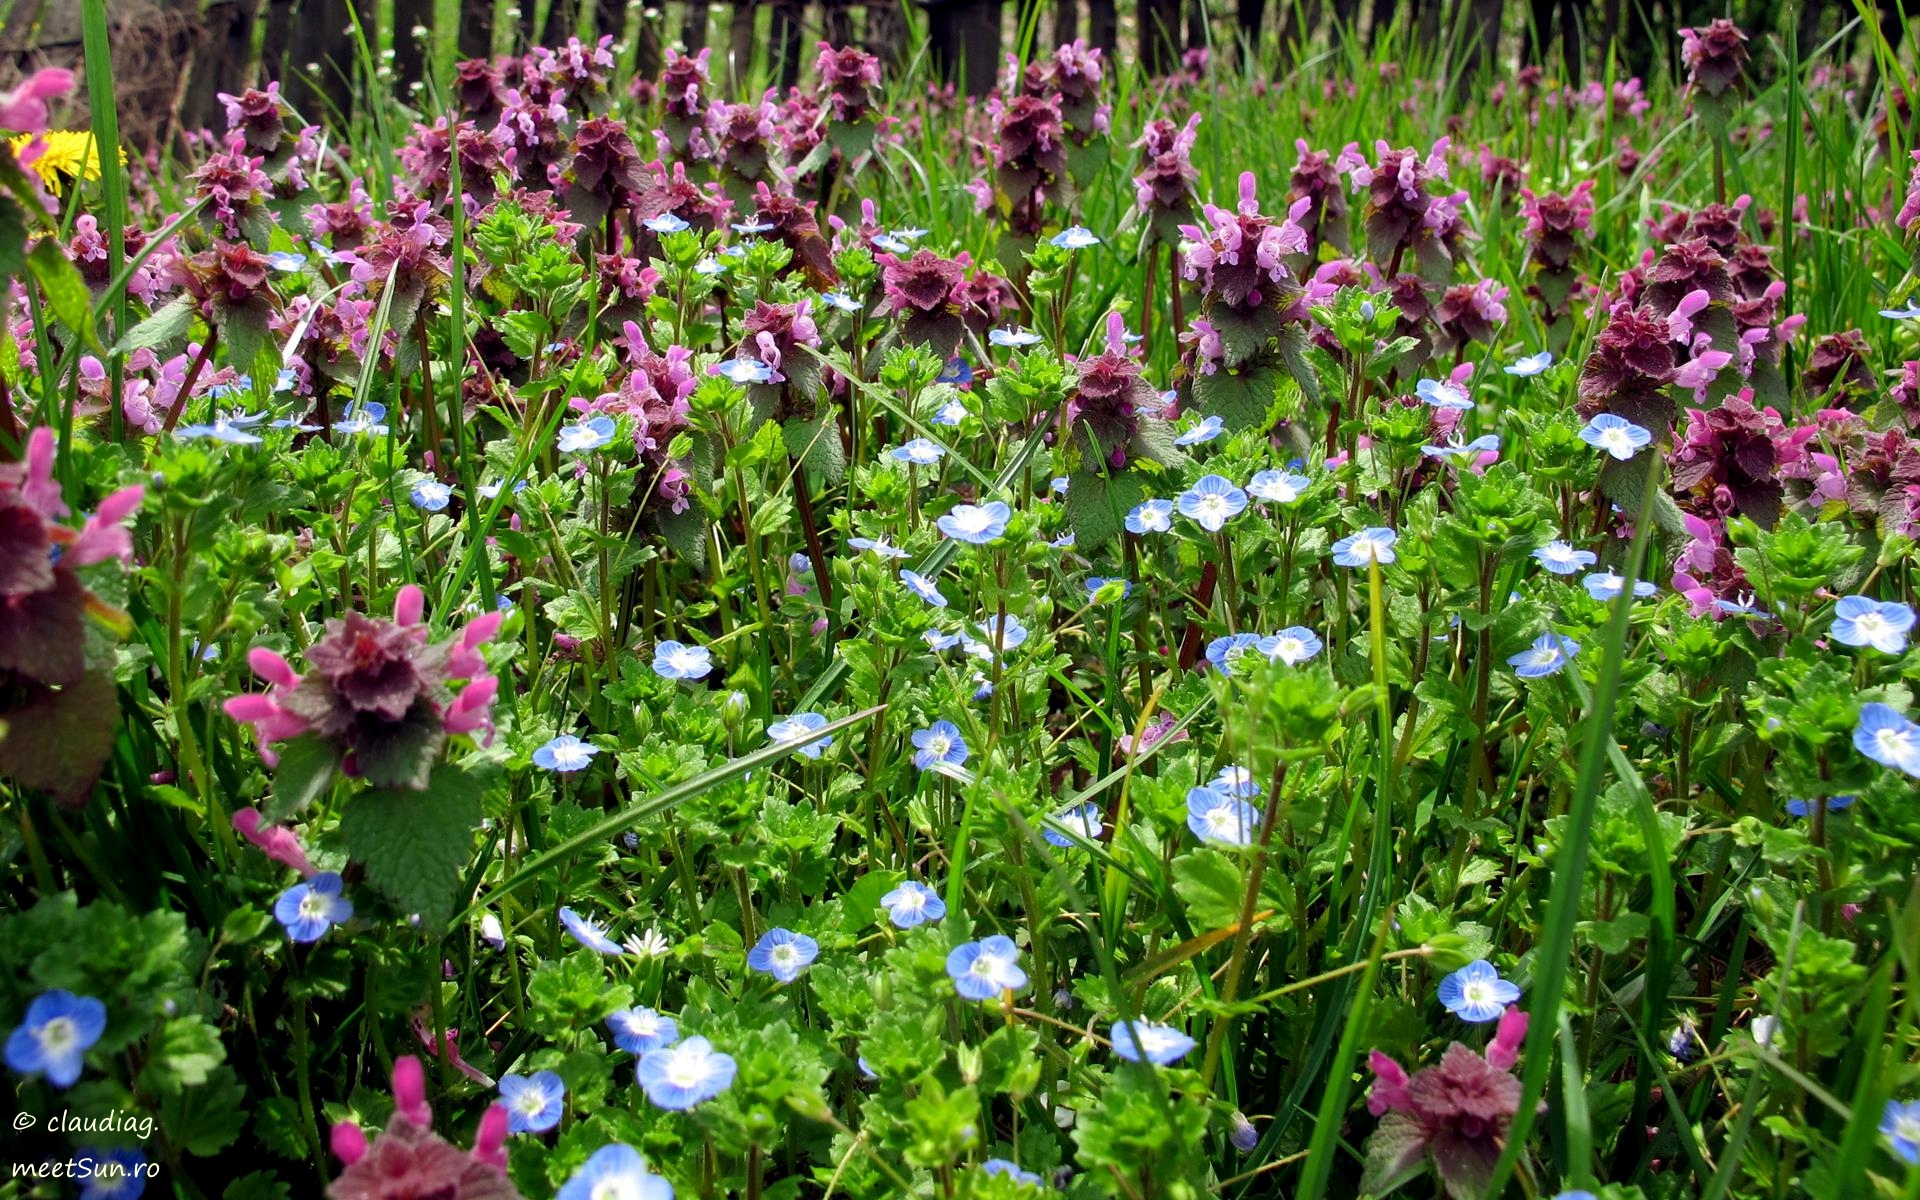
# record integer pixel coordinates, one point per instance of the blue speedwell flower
(1211, 502)
(565, 753)
(674, 660)
(1279, 487)
(1454, 448)
(912, 904)
(1205, 431)
(1224, 653)
(1801, 808)
(1549, 655)
(958, 372)
(1900, 1125)
(1097, 589)
(783, 954)
(1910, 313)
(976, 523)
(431, 495)
(1615, 435)
(744, 370)
(923, 587)
(1372, 544)
(1476, 992)
(1074, 237)
(1562, 559)
(369, 418)
(841, 301)
(638, 1030)
(309, 909)
(982, 970)
(588, 932)
(992, 639)
(232, 429)
(665, 223)
(679, 1076)
(1143, 1041)
(879, 546)
(1531, 364)
(1241, 1133)
(752, 228)
(1081, 820)
(1888, 738)
(533, 1102)
(583, 436)
(1606, 585)
(939, 745)
(1012, 1170)
(615, 1172)
(952, 413)
(119, 1174)
(1150, 516)
(1293, 645)
(1235, 780)
(1014, 338)
(796, 728)
(1214, 816)
(55, 1036)
(1882, 624)
(921, 452)
(1443, 395)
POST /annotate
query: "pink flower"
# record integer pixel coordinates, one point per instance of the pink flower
(277, 842)
(24, 109)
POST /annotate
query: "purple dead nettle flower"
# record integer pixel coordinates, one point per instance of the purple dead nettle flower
(532, 135)
(477, 88)
(603, 173)
(1237, 259)
(1403, 214)
(849, 82)
(1163, 191)
(925, 293)
(685, 83)
(1029, 158)
(428, 153)
(1107, 403)
(742, 136)
(238, 191)
(1453, 1116)
(408, 1159)
(1316, 178)
(1715, 55)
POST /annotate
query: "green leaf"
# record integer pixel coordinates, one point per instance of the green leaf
(205, 1120)
(247, 334)
(13, 239)
(415, 844)
(307, 764)
(1097, 504)
(66, 291)
(1210, 883)
(164, 327)
(1395, 1153)
(1241, 401)
(186, 1051)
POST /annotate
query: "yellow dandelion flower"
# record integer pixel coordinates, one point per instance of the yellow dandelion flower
(64, 154)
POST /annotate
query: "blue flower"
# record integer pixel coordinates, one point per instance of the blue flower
(1293, 645)
(1549, 655)
(1910, 313)
(1531, 364)
(841, 301)
(1241, 1132)
(638, 1030)
(957, 372)
(1684, 1043)
(1235, 780)
(1205, 431)
(1082, 820)
(796, 728)
(680, 1076)
(912, 904)
(743, 370)
(920, 452)
(286, 260)
(119, 1174)
(783, 954)
(582, 436)
(982, 970)
(1372, 544)
(1605, 585)
(891, 244)
(1562, 559)
(750, 228)
(1615, 435)
(672, 660)
(1211, 502)
(564, 754)
(1013, 338)
(533, 1104)
(908, 234)
(1215, 816)
(938, 641)
(1453, 447)
(923, 587)
(709, 266)
(1888, 738)
(1097, 585)
(992, 640)
(1742, 606)
(431, 495)
(615, 1172)
(368, 418)
(950, 414)
(310, 908)
(880, 546)
(940, 745)
(55, 1035)
(1012, 1170)
(233, 430)
(1476, 992)
(1862, 621)
(665, 223)
(1800, 808)
(1443, 395)
(976, 523)
(1138, 1041)
(1074, 237)
(588, 932)
(1150, 516)
(1280, 487)
(222, 391)
(1224, 652)
(1900, 1125)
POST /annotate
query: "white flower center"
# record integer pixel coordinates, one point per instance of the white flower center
(1616, 441)
(1872, 625)
(938, 745)
(912, 902)
(314, 906)
(685, 1071)
(532, 1100)
(786, 956)
(985, 967)
(1476, 993)
(58, 1034)
(1906, 1127)
(1894, 743)
(618, 1187)
(975, 521)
